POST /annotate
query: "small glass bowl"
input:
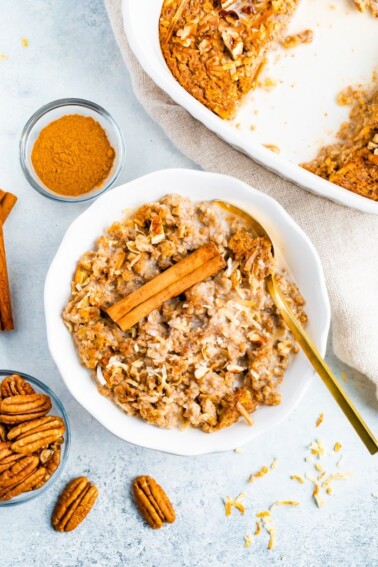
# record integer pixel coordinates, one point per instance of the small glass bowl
(56, 409)
(53, 111)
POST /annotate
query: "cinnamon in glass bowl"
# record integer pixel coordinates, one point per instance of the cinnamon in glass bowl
(71, 150)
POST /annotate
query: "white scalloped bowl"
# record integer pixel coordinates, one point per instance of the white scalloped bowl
(293, 249)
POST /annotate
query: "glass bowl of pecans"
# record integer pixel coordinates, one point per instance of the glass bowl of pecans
(35, 438)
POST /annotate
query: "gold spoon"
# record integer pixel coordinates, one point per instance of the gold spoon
(304, 340)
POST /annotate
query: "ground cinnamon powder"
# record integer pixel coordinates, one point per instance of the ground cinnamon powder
(72, 155)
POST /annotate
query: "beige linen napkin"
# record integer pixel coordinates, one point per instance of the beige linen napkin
(345, 239)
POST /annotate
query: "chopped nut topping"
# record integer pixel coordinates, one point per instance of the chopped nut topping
(233, 42)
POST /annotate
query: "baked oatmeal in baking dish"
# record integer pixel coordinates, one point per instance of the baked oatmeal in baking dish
(352, 162)
(213, 354)
(216, 48)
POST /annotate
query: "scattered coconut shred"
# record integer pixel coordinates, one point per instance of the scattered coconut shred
(320, 420)
(322, 483)
(263, 471)
(229, 503)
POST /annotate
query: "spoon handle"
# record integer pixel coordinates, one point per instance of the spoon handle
(321, 367)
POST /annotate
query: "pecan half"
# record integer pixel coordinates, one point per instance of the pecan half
(41, 424)
(29, 483)
(15, 385)
(50, 465)
(74, 504)
(5, 449)
(9, 460)
(18, 472)
(7, 457)
(3, 433)
(152, 502)
(34, 435)
(17, 409)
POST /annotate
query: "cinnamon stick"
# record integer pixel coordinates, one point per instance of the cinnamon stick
(7, 202)
(163, 280)
(6, 319)
(208, 269)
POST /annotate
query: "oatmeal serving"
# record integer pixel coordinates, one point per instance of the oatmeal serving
(204, 358)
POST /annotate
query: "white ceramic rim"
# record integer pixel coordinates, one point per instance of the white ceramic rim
(279, 165)
(155, 438)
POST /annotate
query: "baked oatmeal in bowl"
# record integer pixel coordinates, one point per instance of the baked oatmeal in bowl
(208, 366)
(204, 358)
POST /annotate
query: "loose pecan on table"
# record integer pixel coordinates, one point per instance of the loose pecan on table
(152, 502)
(74, 504)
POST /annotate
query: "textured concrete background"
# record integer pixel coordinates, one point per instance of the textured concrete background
(72, 53)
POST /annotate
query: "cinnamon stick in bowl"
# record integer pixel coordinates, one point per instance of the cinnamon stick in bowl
(194, 268)
(163, 280)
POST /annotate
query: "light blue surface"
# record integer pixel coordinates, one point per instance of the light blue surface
(72, 53)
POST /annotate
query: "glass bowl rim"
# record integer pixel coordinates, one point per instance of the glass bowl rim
(67, 102)
(29, 496)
